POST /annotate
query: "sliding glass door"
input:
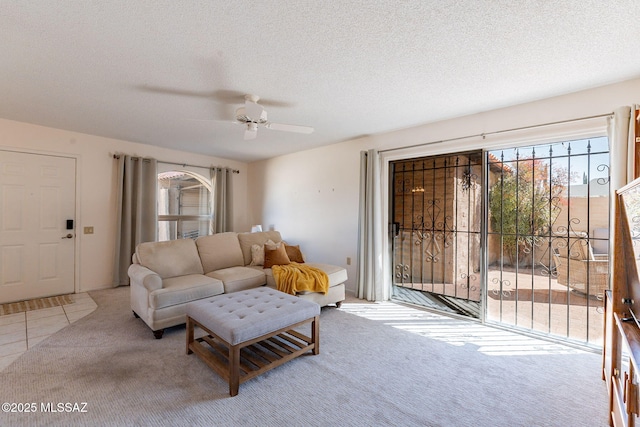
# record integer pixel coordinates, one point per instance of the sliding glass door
(517, 237)
(548, 238)
(436, 215)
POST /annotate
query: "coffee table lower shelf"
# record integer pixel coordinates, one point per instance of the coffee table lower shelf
(241, 362)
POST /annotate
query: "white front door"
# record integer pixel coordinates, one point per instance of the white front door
(37, 244)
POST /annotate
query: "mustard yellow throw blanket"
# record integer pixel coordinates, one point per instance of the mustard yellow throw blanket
(293, 278)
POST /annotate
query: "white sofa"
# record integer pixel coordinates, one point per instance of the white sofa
(165, 276)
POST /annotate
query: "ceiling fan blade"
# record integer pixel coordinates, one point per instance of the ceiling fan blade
(251, 132)
(236, 97)
(176, 91)
(289, 128)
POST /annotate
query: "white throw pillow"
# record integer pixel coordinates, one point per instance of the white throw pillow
(257, 252)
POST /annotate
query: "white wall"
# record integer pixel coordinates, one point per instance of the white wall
(97, 187)
(312, 196)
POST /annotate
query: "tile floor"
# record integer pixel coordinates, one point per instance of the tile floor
(21, 331)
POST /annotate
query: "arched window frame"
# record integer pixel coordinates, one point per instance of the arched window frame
(183, 213)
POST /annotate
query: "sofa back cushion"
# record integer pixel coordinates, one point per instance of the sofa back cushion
(219, 251)
(170, 259)
(249, 239)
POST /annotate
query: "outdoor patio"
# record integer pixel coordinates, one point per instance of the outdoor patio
(533, 302)
(540, 303)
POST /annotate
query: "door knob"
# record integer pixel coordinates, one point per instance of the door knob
(68, 236)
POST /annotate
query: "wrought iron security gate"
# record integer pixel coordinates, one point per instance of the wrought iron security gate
(534, 257)
(548, 238)
(437, 211)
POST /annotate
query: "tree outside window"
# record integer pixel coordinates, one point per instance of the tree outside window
(524, 204)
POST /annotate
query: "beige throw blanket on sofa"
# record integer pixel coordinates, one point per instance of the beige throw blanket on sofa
(293, 278)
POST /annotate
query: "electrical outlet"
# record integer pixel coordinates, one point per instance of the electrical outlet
(88, 230)
(348, 260)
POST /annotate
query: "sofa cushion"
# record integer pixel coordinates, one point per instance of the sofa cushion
(277, 256)
(243, 316)
(337, 275)
(249, 239)
(239, 278)
(219, 251)
(294, 253)
(257, 252)
(183, 289)
(271, 245)
(170, 259)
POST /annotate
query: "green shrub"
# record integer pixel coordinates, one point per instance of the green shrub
(523, 205)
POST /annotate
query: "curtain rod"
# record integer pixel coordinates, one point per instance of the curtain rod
(184, 165)
(497, 132)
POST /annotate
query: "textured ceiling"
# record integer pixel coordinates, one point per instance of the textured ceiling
(172, 73)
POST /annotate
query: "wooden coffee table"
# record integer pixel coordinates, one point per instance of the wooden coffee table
(251, 332)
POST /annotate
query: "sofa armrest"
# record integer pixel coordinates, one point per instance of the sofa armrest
(142, 276)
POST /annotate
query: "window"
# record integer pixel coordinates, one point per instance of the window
(184, 205)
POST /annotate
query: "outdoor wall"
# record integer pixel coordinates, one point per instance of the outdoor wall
(439, 220)
(97, 187)
(312, 196)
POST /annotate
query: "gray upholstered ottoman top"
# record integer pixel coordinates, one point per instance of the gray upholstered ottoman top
(241, 316)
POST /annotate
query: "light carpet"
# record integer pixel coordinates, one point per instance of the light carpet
(368, 373)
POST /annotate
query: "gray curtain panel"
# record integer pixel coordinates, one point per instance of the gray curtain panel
(619, 131)
(622, 154)
(369, 280)
(221, 199)
(136, 209)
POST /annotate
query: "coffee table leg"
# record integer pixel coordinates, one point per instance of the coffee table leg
(315, 334)
(234, 369)
(189, 334)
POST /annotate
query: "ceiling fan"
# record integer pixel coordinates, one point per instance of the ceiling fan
(253, 115)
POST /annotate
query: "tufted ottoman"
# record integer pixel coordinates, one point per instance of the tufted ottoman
(250, 332)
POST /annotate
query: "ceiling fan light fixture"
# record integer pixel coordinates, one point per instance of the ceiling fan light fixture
(253, 114)
(243, 117)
